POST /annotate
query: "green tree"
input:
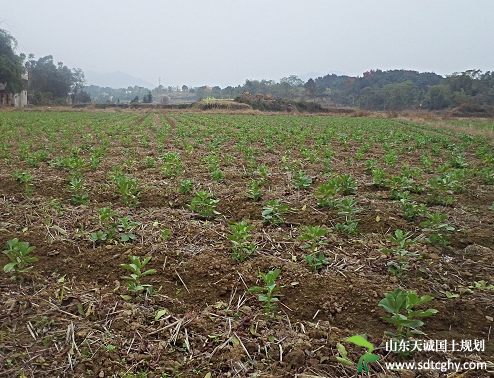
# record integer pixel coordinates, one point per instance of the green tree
(49, 83)
(399, 96)
(82, 97)
(11, 68)
(78, 82)
(438, 97)
(311, 87)
(147, 98)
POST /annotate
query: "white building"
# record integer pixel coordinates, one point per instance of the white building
(18, 100)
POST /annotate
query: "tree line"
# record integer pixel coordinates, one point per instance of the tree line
(392, 90)
(47, 83)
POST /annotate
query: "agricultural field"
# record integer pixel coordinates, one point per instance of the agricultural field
(241, 245)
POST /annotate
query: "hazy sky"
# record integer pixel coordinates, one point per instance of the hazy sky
(220, 42)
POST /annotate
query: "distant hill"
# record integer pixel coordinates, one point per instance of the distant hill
(115, 79)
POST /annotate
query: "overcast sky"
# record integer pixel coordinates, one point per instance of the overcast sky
(225, 42)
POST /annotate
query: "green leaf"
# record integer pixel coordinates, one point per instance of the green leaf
(451, 295)
(9, 267)
(360, 341)
(341, 350)
(148, 272)
(344, 361)
(160, 314)
(428, 312)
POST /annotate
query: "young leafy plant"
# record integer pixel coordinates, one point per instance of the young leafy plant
(136, 267)
(327, 192)
(402, 241)
(128, 188)
(301, 180)
(313, 237)
(218, 175)
(25, 178)
(186, 186)
(316, 260)
(254, 192)
(18, 254)
(125, 227)
(273, 212)
(241, 239)
(268, 294)
(379, 177)
(79, 196)
(401, 305)
(172, 165)
(348, 210)
(204, 205)
(437, 229)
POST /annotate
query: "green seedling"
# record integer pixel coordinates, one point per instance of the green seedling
(98, 237)
(379, 177)
(125, 229)
(76, 185)
(401, 305)
(254, 192)
(128, 188)
(400, 185)
(348, 210)
(273, 212)
(313, 236)
(25, 178)
(149, 162)
(390, 158)
(268, 294)
(263, 172)
(136, 267)
(348, 185)
(411, 209)
(204, 205)
(492, 206)
(441, 190)
(241, 239)
(437, 229)
(459, 162)
(172, 165)
(482, 285)
(218, 175)
(427, 163)
(114, 228)
(370, 165)
(327, 192)
(186, 186)
(402, 241)
(301, 180)
(316, 260)
(18, 254)
(165, 234)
